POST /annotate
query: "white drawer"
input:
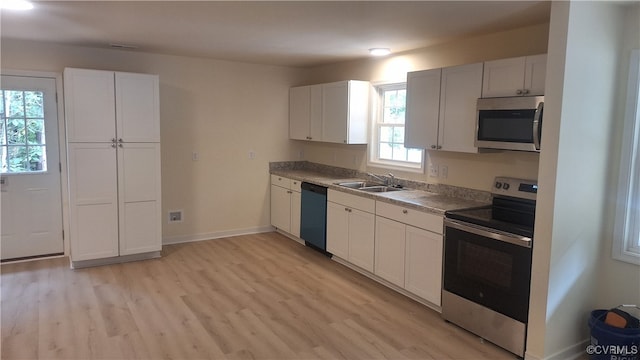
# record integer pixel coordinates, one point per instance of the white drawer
(295, 185)
(409, 216)
(352, 201)
(281, 181)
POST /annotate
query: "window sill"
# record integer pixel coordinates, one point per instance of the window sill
(391, 165)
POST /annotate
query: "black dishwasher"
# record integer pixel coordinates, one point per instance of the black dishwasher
(313, 216)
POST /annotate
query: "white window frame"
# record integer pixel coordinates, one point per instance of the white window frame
(626, 235)
(376, 118)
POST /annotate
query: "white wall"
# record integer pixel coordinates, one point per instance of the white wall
(220, 109)
(581, 111)
(484, 167)
(619, 281)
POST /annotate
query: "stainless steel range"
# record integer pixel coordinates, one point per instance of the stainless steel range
(487, 265)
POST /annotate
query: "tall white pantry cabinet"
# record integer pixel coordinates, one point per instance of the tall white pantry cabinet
(113, 136)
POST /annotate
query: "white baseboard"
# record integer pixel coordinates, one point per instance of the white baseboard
(215, 235)
(572, 352)
(575, 351)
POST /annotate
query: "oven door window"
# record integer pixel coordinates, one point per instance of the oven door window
(506, 125)
(489, 272)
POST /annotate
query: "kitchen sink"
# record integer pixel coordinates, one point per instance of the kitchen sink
(359, 184)
(380, 188)
(368, 186)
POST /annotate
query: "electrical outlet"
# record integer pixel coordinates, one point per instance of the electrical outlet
(301, 154)
(252, 155)
(444, 171)
(175, 216)
(433, 170)
(195, 156)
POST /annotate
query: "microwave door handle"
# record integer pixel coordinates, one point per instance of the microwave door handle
(537, 120)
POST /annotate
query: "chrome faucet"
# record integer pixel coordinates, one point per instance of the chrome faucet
(392, 180)
(379, 178)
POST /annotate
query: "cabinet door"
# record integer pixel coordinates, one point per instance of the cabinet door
(335, 105)
(535, 74)
(93, 195)
(139, 198)
(503, 77)
(361, 239)
(315, 113)
(137, 107)
(423, 108)
(390, 250)
(281, 208)
(296, 199)
(338, 230)
(89, 103)
(423, 268)
(299, 112)
(460, 89)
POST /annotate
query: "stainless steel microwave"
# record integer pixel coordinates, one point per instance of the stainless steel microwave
(510, 123)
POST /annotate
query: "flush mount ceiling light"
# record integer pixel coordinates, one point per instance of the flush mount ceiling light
(379, 51)
(16, 5)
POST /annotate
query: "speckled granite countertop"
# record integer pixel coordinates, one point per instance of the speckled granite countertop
(418, 199)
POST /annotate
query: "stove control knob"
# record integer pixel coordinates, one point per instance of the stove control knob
(506, 186)
(498, 185)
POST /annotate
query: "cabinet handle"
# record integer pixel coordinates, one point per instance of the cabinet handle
(113, 145)
(405, 211)
(120, 140)
(525, 91)
(439, 147)
(519, 92)
(433, 146)
(289, 192)
(113, 140)
(120, 145)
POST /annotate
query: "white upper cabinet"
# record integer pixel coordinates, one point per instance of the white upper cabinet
(137, 105)
(423, 109)
(460, 88)
(305, 113)
(89, 105)
(102, 106)
(334, 112)
(441, 108)
(345, 112)
(520, 76)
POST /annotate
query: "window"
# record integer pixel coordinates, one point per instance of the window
(387, 148)
(22, 136)
(626, 244)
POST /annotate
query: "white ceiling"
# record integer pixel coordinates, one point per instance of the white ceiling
(290, 33)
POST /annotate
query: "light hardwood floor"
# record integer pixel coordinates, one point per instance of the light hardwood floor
(257, 296)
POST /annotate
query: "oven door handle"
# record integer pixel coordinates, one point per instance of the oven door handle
(490, 233)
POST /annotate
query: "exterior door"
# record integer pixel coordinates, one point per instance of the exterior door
(31, 211)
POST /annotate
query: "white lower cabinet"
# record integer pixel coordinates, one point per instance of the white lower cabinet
(390, 250)
(423, 264)
(408, 250)
(350, 228)
(115, 199)
(285, 204)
